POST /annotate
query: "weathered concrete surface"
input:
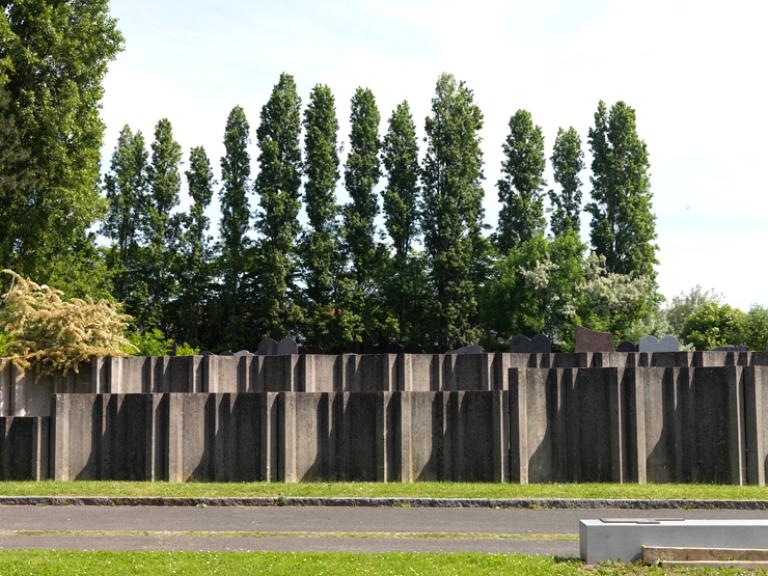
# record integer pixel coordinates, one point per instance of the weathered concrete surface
(24, 448)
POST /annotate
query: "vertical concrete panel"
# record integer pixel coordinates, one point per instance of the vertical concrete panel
(127, 436)
(304, 437)
(478, 442)
(423, 440)
(238, 443)
(31, 396)
(535, 414)
(191, 437)
(361, 436)
(327, 373)
(593, 426)
(24, 448)
(78, 424)
(712, 404)
(473, 371)
(756, 417)
(5, 390)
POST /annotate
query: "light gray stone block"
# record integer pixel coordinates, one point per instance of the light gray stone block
(601, 541)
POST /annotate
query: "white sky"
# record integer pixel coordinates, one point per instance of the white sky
(692, 70)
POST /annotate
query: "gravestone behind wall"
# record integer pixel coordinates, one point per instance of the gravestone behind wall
(593, 341)
(653, 344)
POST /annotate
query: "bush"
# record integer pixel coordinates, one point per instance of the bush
(51, 334)
(154, 343)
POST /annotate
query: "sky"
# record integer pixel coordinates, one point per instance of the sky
(693, 71)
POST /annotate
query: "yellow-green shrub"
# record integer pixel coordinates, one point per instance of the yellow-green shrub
(53, 334)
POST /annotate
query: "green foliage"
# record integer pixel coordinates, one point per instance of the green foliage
(362, 300)
(713, 325)
(683, 305)
(403, 285)
(755, 329)
(154, 343)
(52, 334)
(567, 163)
(623, 225)
(53, 58)
(277, 186)
(4, 342)
(325, 324)
(235, 216)
(452, 212)
(614, 302)
(149, 343)
(161, 228)
(520, 188)
(194, 254)
(536, 288)
(126, 186)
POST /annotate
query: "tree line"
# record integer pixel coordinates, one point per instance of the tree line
(434, 275)
(408, 258)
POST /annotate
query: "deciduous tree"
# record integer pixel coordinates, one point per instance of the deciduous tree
(567, 164)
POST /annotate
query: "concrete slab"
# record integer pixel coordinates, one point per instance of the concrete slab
(608, 539)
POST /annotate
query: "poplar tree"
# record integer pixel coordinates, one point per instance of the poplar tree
(623, 227)
(567, 164)
(13, 183)
(126, 187)
(361, 173)
(233, 198)
(400, 156)
(195, 253)
(320, 241)
(452, 193)
(53, 59)
(278, 187)
(521, 217)
(161, 227)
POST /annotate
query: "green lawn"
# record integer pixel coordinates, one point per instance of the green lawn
(419, 489)
(33, 563)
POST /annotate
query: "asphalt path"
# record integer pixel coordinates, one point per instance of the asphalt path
(312, 528)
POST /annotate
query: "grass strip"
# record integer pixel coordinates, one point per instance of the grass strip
(71, 563)
(373, 490)
(553, 537)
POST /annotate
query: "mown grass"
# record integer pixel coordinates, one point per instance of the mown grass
(371, 489)
(70, 563)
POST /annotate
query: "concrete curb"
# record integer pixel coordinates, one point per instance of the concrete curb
(394, 502)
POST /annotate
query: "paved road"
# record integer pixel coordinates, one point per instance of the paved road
(316, 528)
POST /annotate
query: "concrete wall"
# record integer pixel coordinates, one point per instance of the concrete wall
(22, 394)
(488, 417)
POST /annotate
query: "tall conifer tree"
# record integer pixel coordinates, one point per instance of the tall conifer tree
(520, 187)
(623, 224)
(452, 192)
(320, 242)
(400, 157)
(195, 253)
(361, 174)
(127, 187)
(233, 198)
(567, 164)
(277, 186)
(161, 227)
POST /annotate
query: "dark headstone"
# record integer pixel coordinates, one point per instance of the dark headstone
(287, 346)
(267, 347)
(310, 349)
(413, 348)
(243, 353)
(227, 353)
(626, 346)
(207, 353)
(653, 344)
(520, 344)
(592, 341)
(731, 348)
(474, 349)
(394, 348)
(540, 344)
